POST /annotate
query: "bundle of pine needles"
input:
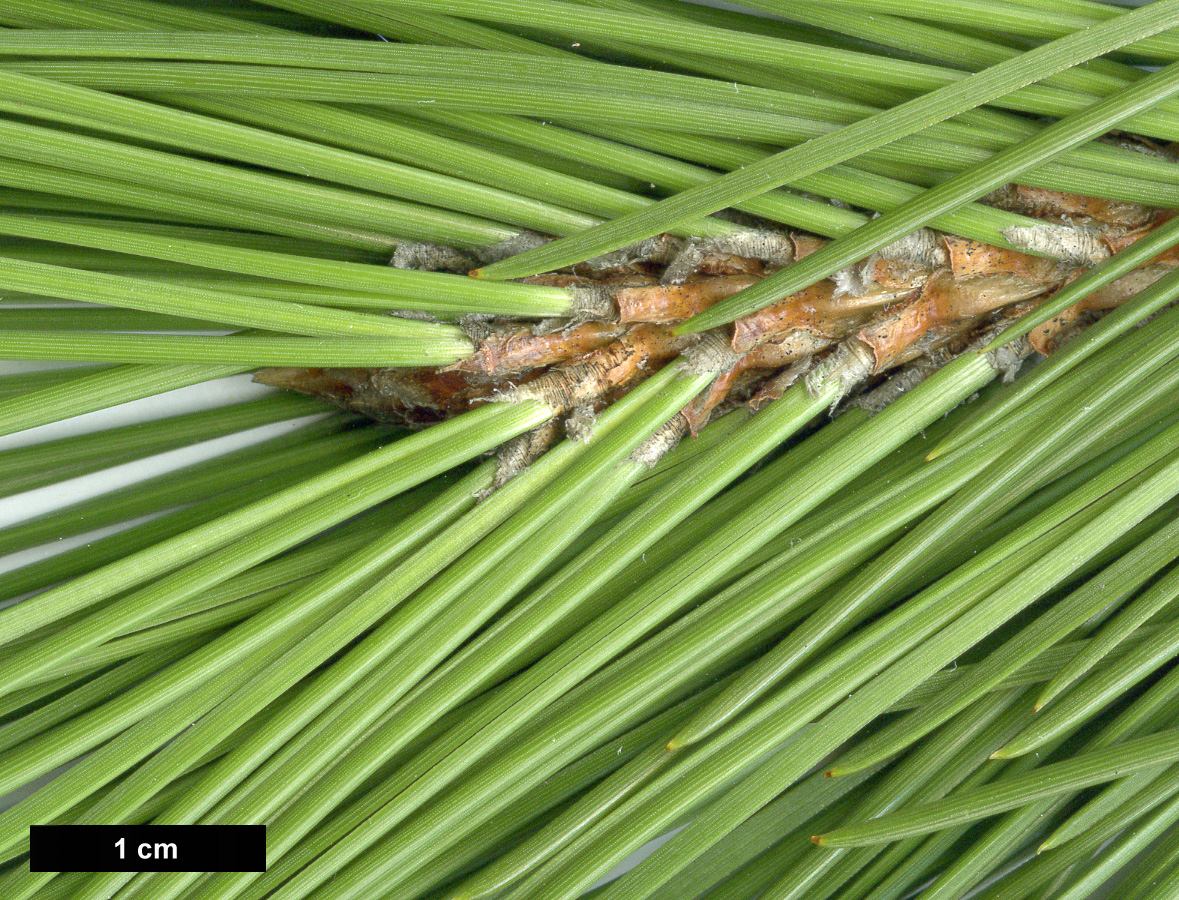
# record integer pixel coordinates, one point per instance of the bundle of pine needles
(673, 476)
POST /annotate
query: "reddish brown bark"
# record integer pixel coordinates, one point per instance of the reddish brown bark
(925, 293)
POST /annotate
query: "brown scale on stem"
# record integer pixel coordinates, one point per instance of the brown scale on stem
(729, 384)
(584, 380)
(519, 348)
(1048, 337)
(413, 397)
(753, 366)
(672, 303)
(973, 259)
(780, 383)
(944, 306)
(1041, 203)
(813, 311)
